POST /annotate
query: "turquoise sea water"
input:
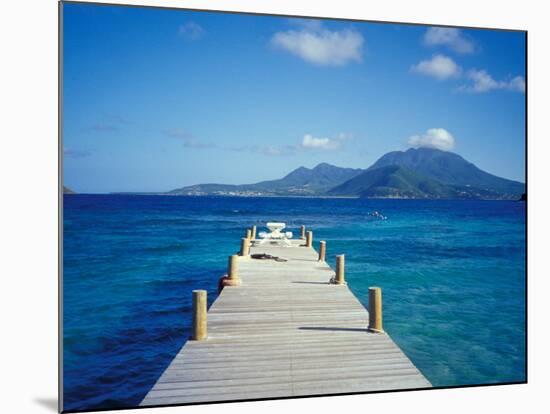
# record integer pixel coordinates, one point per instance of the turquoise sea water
(452, 274)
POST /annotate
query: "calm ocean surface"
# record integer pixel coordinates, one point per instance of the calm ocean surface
(452, 274)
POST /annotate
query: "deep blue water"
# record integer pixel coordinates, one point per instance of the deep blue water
(452, 274)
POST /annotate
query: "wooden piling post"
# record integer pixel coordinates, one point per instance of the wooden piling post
(232, 276)
(375, 310)
(309, 238)
(199, 315)
(233, 268)
(253, 237)
(245, 246)
(302, 232)
(322, 250)
(248, 234)
(340, 270)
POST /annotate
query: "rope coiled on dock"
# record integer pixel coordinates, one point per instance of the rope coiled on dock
(265, 256)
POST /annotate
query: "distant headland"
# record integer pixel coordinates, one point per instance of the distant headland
(422, 173)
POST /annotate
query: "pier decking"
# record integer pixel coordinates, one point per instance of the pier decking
(284, 332)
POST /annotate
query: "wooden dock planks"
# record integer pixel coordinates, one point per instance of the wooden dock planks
(284, 332)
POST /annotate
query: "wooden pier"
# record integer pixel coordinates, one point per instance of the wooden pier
(284, 331)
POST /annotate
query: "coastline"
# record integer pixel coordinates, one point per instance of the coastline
(131, 194)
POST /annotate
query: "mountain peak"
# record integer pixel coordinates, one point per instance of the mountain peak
(426, 149)
(424, 158)
(300, 169)
(324, 165)
(422, 150)
(430, 152)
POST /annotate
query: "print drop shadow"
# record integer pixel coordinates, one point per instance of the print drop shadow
(49, 403)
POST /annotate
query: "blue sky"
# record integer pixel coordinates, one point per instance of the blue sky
(156, 99)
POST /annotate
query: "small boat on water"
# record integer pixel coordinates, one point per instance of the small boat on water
(377, 215)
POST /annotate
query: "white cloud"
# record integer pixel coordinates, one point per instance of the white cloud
(440, 67)
(438, 138)
(320, 46)
(450, 37)
(481, 81)
(517, 84)
(191, 31)
(314, 143)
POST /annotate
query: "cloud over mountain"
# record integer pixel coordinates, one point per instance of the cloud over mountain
(438, 138)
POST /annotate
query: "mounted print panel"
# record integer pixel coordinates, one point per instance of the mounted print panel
(259, 206)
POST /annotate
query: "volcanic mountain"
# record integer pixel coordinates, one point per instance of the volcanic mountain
(428, 173)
